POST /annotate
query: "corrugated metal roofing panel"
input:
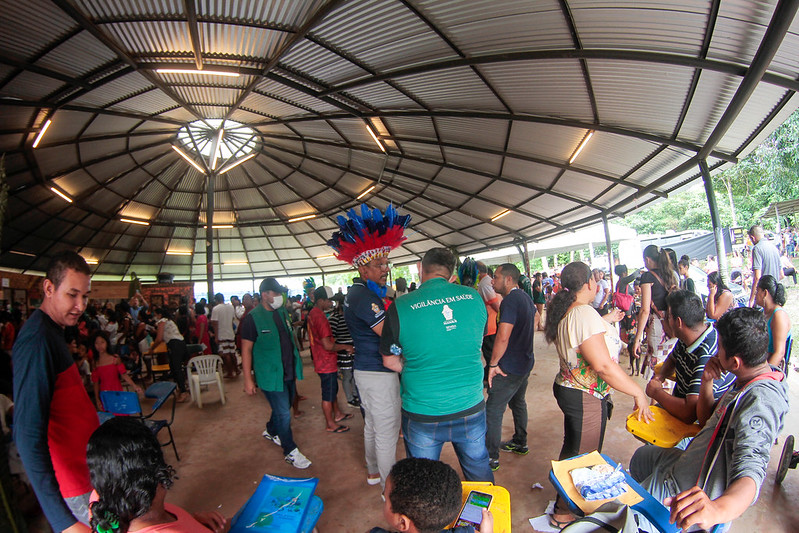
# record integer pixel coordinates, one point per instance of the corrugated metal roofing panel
(79, 55)
(148, 103)
(94, 149)
(579, 186)
(29, 85)
(739, 30)
(648, 100)
(473, 159)
(382, 96)
(544, 141)
(451, 88)
(270, 106)
(761, 103)
(711, 98)
(248, 41)
(535, 174)
(649, 25)
(208, 95)
(22, 34)
(486, 25)
(309, 57)
(53, 160)
(613, 155)
(151, 36)
(786, 61)
(542, 87)
(381, 34)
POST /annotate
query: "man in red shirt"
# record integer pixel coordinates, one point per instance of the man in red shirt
(325, 358)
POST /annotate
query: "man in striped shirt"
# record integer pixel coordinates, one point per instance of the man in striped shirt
(697, 344)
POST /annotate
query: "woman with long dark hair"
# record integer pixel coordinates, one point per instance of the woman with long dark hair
(588, 349)
(770, 295)
(131, 478)
(719, 298)
(656, 283)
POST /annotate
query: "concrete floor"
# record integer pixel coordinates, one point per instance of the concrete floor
(224, 456)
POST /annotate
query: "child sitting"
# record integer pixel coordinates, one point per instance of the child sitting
(131, 478)
(424, 496)
(108, 370)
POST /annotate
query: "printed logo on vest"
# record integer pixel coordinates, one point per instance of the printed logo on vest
(449, 322)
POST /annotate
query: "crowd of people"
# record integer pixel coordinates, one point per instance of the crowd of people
(441, 363)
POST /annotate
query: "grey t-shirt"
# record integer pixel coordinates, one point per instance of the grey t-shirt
(766, 259)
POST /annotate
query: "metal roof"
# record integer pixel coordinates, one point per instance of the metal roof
(480, 107)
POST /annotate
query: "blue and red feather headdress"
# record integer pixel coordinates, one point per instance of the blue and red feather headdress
(372, 234)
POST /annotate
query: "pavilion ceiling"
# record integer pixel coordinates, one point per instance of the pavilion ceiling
(478, 108)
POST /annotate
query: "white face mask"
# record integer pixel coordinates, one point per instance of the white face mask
(277, 302)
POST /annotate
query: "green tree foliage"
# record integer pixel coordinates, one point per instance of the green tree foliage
(743, 193)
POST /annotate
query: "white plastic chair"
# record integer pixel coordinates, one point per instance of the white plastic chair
(205, 370)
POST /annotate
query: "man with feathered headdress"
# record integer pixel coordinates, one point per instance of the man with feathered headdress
(364, 241)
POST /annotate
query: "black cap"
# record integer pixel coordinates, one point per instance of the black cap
(271, 284)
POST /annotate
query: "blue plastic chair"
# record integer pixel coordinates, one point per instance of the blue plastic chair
(127, 403)
(657, 513)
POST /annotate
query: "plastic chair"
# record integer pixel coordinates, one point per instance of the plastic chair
(784, 366)
(500, 504)
(127, 403)
(657, 513)
(205, 370)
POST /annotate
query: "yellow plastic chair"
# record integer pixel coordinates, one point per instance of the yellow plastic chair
(500, 504)
(664, 431)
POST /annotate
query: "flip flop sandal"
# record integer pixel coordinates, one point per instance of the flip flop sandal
(345, 417)
(558, 524)
(340, 429)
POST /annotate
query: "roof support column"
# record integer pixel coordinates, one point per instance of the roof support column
(610, 250)
(522, 248)
(721, 253)
(209, 236)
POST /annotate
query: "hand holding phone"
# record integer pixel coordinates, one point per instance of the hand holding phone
(472, 512)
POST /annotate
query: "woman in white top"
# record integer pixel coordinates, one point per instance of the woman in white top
(588, 349)
(168, 333)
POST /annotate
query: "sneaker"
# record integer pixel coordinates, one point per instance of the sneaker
(373, 479)
(494, 464)
(354, 403)
(511, 446)
(297, 459)
(269, 436)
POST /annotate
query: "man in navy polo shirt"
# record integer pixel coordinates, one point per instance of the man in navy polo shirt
(511, 362)
(378, 386)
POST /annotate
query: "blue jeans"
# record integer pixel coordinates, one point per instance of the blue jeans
(467, 435)
(507, 391)
(280, 422)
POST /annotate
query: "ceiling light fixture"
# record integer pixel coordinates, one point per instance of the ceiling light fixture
(582, 145)
(26, 254)
(92, 262)
(177, 252)
(219, 226)
(41, 133)
(364, 193)
(191, 161)
(132, 221)
(372, 133)
(215, 156)
(305, 217)
(194, 71)
(235, 263)
(326, 256)
(502, 214)
(61, 194)
(237, 163)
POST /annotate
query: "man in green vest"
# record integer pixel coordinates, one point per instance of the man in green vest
(434, 337)
(269, 351)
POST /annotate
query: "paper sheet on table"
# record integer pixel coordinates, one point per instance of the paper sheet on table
(561, 470)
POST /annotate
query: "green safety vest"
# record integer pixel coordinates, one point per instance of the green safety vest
(267, 358)
(441, 334)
